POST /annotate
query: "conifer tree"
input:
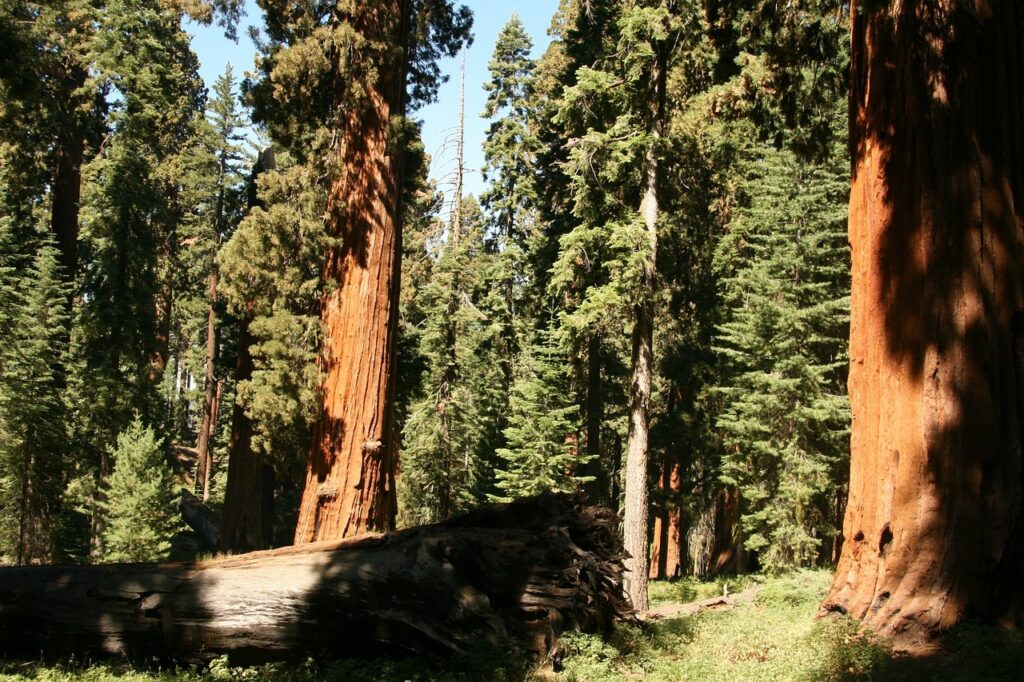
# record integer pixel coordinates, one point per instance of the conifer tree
(781, 344)
(132, 213)
(33, 440)
(614, 165)
(139, 507)
(337, 84)
(226, 190)
(445, 436)
(542, 451)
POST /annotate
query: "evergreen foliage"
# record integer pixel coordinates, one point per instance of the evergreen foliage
(514, 347)
(542, 452)
(271, 269)
(782, 348)
(139, 510)
(445, 441)
(33, 440)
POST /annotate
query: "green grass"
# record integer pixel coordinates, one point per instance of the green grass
(777, 637)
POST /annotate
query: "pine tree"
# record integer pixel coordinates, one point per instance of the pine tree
(782, 343)
(542, 452)
(223, 142)
(139, 505)
(33, 440)
(616, 164)
(445, 436)
(511, 201)
(132, 213)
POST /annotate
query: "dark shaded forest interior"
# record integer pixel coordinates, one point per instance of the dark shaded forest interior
(696, 350)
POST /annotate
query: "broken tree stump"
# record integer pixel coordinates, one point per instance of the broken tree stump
(527, 570)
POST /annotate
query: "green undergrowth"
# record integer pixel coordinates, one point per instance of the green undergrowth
(775, 637)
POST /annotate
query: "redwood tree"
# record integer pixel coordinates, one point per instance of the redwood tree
(337, 79)
(934, 530)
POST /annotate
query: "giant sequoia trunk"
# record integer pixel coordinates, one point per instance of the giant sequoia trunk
(527, 570)
(249, 494)
(66, 190)
(934, 530)
(350, 474)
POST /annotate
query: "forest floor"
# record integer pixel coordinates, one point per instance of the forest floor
(770, 632)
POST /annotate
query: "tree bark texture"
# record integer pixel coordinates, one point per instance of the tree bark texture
(530, 569)
(249, 494)
(350, 474)
(934, 528)
(635, 514)
(209, 391)
(666, 551)
(201, 520)
(594, 467)
(67, 173)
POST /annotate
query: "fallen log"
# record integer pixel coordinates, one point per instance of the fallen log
(200, 519)
(527, 570)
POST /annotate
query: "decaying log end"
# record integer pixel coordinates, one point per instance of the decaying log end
(527, 570)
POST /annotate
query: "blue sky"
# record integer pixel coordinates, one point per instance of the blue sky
(439, 119)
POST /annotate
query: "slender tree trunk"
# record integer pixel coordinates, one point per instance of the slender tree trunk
(597, 490)
(934, 528)
(209, 389)
(349, 486)
(635, 517)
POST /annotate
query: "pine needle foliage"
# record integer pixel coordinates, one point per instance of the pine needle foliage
(139, 510)
(542, 451)
(782, 352)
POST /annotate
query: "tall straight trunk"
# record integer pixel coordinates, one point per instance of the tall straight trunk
(66, 194)
(66, 190)
(249, 494)
(597, 490)
(635, 517)
(248, 498)
(350, 472)
(666, 552)
(934, 527)
(209, 389)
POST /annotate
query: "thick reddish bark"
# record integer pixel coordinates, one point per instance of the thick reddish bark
(666, 551)
(248, 497)
(350, 472)
(209, 391)
(933, 528)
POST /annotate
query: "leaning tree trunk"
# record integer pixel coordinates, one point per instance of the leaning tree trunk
(349, 486)
(528, 570)
(934, 530)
